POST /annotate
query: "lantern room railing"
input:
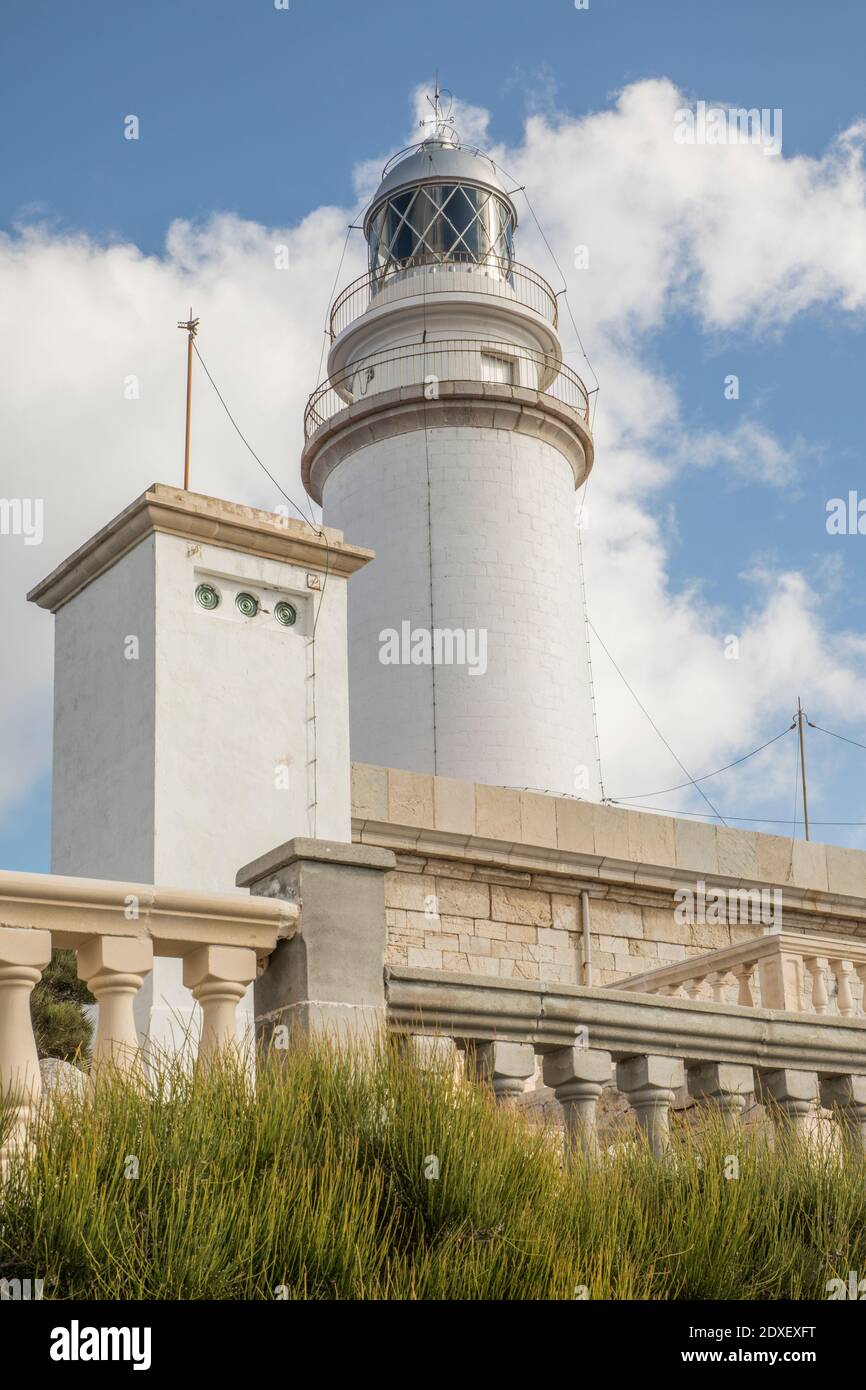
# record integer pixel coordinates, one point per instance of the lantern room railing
(503, 279)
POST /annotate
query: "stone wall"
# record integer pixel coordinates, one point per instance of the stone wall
(488, 881)
(453, 915)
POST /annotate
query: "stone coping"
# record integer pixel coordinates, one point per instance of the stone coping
(206, 520)
(300, 849)
(626, 1025)
(541, 833)
(177, 920)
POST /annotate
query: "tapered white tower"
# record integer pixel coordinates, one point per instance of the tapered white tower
(450, 438)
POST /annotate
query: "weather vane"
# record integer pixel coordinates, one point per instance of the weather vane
(191, 326)
(442, 127)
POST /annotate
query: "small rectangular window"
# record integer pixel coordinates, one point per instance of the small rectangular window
(499, 369)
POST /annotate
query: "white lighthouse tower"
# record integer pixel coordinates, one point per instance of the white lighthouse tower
(450, 437)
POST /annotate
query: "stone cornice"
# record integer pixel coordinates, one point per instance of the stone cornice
(206, 520)
(603, 876)
(479, 404)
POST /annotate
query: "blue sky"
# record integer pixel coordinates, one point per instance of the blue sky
(263, 113)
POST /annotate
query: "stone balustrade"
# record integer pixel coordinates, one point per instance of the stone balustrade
(116, 929)
(651, 1047)
(800, 972)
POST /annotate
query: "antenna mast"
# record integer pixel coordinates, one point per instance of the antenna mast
(191, 327)
(800, 721)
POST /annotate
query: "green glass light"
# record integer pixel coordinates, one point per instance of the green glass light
(247, 604)
(285, 614)
(207, 596)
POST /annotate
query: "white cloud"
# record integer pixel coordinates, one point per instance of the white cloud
(749, 452)
(733, 237)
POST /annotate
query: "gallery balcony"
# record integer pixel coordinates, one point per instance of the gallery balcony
(502, 279)
(475, 382)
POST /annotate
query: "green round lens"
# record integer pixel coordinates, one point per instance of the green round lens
(207, 596)
(285, 614)
(247, 604)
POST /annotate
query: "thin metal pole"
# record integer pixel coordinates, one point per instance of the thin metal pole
(800, 718)
(586, 939)
(191, 327)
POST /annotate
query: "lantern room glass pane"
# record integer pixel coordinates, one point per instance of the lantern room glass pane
(439, 222)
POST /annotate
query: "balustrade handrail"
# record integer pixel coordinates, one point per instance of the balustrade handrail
(652, 1049)
(512, 281)
(116, 929)
(782, 959)
(456, 359)
(551, 1016)
(176, 919)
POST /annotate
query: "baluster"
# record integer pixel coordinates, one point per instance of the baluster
(113, 968)
(791, 1096)
(817, 966)
(578, 1077)
(843, 969)
(218, 977)
(846, 1097)
(725, 1084)
(649, 1082)
(718, 983)
(505, 1066)
(743, 974)
(24, 953)
(861, 976)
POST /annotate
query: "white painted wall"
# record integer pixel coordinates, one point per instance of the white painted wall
(102, 820)
(170, 768)
(504, 548)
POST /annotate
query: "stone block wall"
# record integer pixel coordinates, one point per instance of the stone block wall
(488, 880)
(452, 915)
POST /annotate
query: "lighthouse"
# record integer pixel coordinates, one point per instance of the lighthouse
(450, 437)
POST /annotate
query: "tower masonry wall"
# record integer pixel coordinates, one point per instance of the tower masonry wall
(482, 521)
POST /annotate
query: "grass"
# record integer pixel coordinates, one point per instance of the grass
(319, 1184)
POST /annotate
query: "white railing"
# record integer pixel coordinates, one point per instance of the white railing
(801, 972)
(116, 929)
(506, 280)
(421, 365)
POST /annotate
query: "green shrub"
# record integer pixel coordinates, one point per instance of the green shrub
(60, 1024)
(320, 1183)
